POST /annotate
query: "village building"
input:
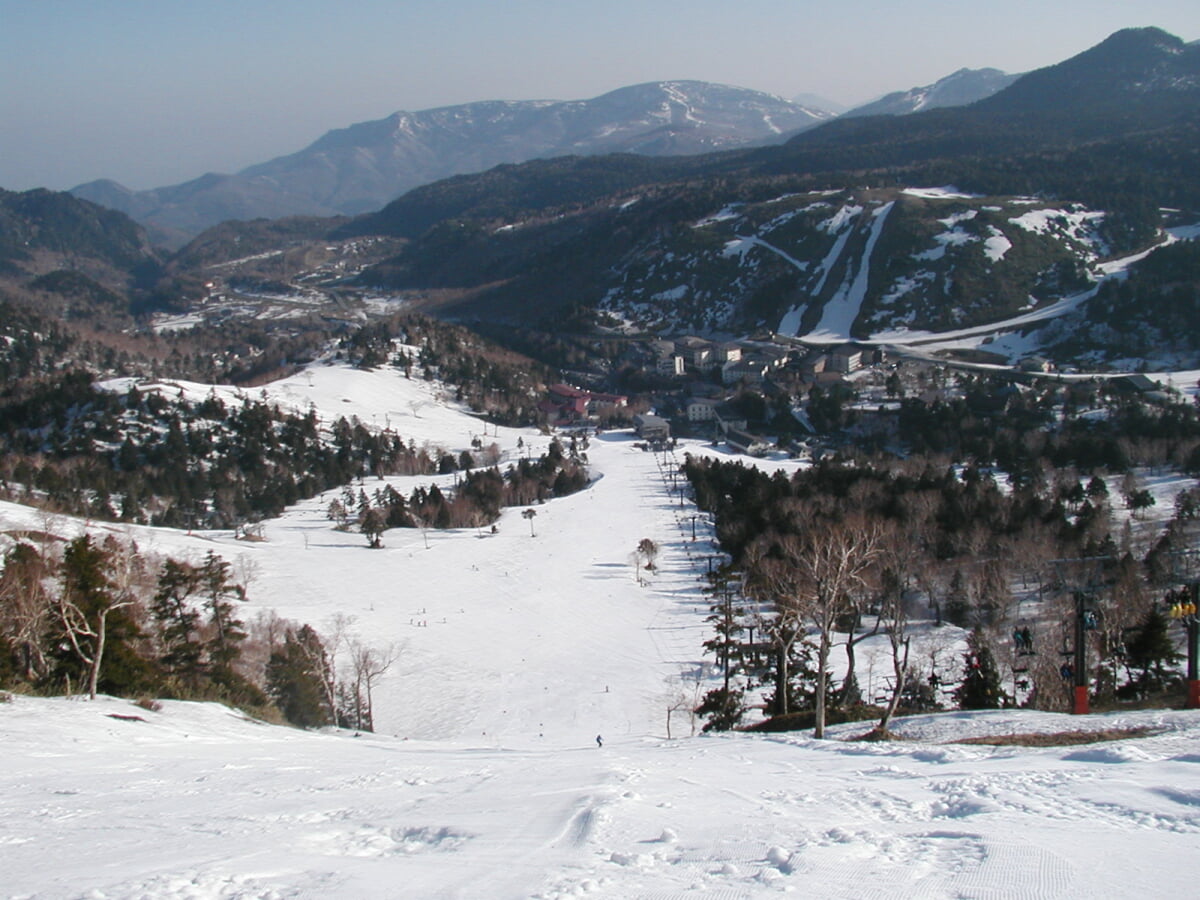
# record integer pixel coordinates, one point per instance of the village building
(747, 371)
(729, 417)
(846, 358)
(812, 364)
(567, 405)
(745, 442)
(702, 409)
(696, 352)
(730, 351)
(651, 428)
(670, 366)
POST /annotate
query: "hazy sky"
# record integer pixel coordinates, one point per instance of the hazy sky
(154, 92)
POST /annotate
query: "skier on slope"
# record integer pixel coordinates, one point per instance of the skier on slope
(599, 741)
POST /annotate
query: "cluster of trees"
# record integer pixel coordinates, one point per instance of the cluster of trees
(845, 550)
(101, 617)
(152, 458)
(475, 502)
(503, 385)
(1021, 430)
(1151, 314)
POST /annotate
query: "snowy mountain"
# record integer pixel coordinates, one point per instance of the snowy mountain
(869, 260)
(360, 168)
(816, 101)
(958, 89)
(516, 652)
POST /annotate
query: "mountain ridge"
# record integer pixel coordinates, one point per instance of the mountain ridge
(361, 167)
(959, 88)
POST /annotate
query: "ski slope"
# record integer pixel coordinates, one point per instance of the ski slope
(516, 650)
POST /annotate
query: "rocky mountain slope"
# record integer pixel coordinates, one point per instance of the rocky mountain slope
(958, 89)
(859, 262)
(360, 168)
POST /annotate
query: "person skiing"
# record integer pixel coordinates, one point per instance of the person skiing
(599, 741)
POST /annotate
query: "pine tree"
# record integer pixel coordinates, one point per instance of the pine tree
(92, 623)
(726, 619)
(794, 686)
(372, 525)
(296, 675)
(723, 707)
(957, 608)
(226, 631)
(980, 688)
(1152, 650)
(178, 621)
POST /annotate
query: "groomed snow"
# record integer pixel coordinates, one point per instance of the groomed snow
(843, 307)
(485, 779)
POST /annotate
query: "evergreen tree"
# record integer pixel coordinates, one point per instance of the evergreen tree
(957, 608)
(178, 621)
(1152, 651)
(372, 524)
(794, 685)
(726, 619)
(93, 627)
(296, 675)
(723, 707)
(226, 632)
(980, 688)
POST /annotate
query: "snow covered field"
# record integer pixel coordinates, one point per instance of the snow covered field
(485, 779)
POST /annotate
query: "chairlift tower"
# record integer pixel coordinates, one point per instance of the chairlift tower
(1083, 576)
(1184, 611)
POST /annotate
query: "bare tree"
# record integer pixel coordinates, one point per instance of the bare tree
(815, 575)
(25, 607)
(901, 559)
(83, 607)
(684, 697)
(336, 636)
(368, 665)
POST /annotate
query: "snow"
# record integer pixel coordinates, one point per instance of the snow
(744, 243)
(1078, 224)
(485, 779)
(1016, 345)
(676, 293)
(842, 218)
(842, 309)
(164, 324)
(947, 192)
(725, 214)
(996, 245)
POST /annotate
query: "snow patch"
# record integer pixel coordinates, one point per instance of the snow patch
(947, 192)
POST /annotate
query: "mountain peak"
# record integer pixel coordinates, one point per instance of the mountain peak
(956, 89)
(1133, 61)
(364, 166)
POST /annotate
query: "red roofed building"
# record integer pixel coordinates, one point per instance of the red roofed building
(566, 404)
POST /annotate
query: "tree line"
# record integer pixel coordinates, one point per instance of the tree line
(476, 501)
(87, 616)
(851, 549)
